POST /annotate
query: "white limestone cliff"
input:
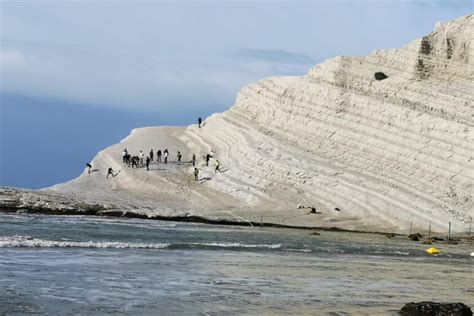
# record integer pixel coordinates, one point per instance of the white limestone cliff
(368, 154)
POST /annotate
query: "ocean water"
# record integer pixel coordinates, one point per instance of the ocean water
(60, 265)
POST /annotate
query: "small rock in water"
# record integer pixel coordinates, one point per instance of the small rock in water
(415, 237)
(435, 309)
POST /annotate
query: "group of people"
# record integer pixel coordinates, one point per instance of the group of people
(140, 160)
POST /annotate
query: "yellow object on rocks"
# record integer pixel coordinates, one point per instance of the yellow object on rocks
(433, 251)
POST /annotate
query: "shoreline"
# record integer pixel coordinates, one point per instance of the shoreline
(27, 201)
(185, 219)
(224, 222)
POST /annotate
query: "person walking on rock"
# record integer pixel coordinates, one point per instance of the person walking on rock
(158, 156)
(147, 163)
(89, 166)
(166, 153)
(151, 155)
(218, 166)
(196, 174)
(199, 122)
(179, 156)
(194, 160)
(110, 172)
(142, 155)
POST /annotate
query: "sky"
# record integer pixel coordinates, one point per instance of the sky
(77, 63)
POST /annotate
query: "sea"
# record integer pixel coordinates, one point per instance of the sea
(84, 265)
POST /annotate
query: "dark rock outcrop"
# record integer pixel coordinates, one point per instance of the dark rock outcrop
(435, 309)
(380, 76)
(415, 237)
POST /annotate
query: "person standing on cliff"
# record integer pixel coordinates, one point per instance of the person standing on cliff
(158, 156)
(194, 160)
(151, 155)
(166, 153)
(208, 157)
(196, 174)
(135, 161)
(124, 154)
(179, 156)
(199, 122)
(147, 163)
(89, 166)
(110, 172)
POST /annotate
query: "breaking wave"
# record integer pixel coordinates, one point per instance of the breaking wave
(30, 242)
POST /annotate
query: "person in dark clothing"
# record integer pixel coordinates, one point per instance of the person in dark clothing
(135, 161)
(158, 155)
(208, 157)
(124, 154)
(179, 156)
(194, 160)
(89, 166)
(110, 172)
(196, 174)
(151, 155)
(147, 163)
(128, 159)
(218, 166)
(199, 122)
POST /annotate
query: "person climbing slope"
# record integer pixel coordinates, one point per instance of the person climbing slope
(147, 163)
(194, 160)
(110, 172)
(196, 174)
(218, 166)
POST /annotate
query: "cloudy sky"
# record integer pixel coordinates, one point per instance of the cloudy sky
(157, 54)
(175, 60)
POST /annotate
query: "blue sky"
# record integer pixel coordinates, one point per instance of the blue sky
(166, 58)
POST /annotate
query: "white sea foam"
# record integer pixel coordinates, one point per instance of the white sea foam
(299, 250)
(29, 242)
(238, 245)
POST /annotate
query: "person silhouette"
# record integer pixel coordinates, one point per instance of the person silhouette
(110, 172)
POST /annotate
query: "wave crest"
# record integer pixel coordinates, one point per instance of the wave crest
(29, 242)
